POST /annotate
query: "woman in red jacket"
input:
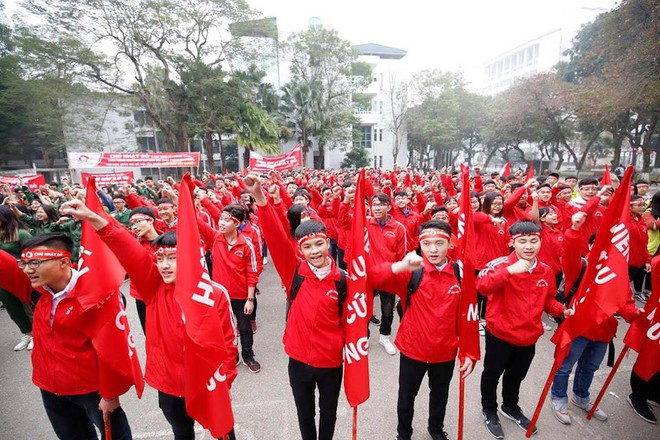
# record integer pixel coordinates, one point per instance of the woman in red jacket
(313, 337)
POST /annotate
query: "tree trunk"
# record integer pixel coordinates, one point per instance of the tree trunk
(647, 146)
(223, 159)
(489, 157)
(208, 146)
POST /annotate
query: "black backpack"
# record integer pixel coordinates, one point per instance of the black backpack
(298, 279)
(416, 280)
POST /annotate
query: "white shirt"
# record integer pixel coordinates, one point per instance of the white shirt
(59, 296)
(442, 266)
(323, 271)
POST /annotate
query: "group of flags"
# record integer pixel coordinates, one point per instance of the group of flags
(604, 289)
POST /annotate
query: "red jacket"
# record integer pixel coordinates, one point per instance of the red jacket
(551, 247)
(411, 220)
(429, 328)
(639, 239)
(237, 267)
(493, 240)
(64, 359)
(328, 214)
(165, 327)
(512, 211)
(516, 302)
(594, 211)
(389, 241)
(313, 334)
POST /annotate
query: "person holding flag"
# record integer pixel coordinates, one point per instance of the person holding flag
(166, 332)
(429, 288)
(519, 289)
(314, 336)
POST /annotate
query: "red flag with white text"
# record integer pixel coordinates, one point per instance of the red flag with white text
(358, 302)
(468, 323)
(209, 362)
(643, 336)
(606, 285)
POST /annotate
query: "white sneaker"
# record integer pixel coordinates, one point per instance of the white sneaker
(265, 261)
(30, 345)
(560, 410)
(389, 347)
(599, 414)
(23, 343)
(546, 327)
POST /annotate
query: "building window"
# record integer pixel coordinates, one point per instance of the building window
(146, 144)
(380, 107)
(380, 135)
(364, 137)
(380, 161)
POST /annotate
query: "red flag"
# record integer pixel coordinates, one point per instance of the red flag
(506, 170)
(605, 287)
(95, 255)
(607, 178)
(206, 355)
(359, 304)
(468, 321)
(644, 332)
(100, 275)
(530, 172)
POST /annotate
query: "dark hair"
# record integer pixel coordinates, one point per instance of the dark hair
(347, 183)
(636, 197)
(236, 210)
(382, 198)
(168, 239)
(524, 227)
(489, 182)
(493, 175)
(488, 201)
(294, 215)
(554, 174)
(9, 225)
(119, 196)
(642, 181)
(309, 227)
(546, 210)
(302, 192)
(592, 238)
(24, 209)
(165, 200)
(292, 183)
(400, 194)
(54, 240)
(437, 209)
(655, 205)
(52, 214)
(436, 224)
(143, 210)
(587, 181)
(544, 185)
(570, 176)
(515, 186)
(450, 198)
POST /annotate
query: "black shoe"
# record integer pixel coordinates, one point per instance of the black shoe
(252, 365)
(493, 424)
(374, 320)
(642, 409)
(517, 416)
(438, 436)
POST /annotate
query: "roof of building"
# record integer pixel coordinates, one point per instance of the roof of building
(380, 51)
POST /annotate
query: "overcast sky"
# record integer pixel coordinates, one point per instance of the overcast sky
(451, 35)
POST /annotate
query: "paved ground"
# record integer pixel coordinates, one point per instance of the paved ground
(264, 406)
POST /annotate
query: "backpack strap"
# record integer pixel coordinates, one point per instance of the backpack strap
(413, 284)
(341, 286)
(293, 290)
(342, 290)
(458, 271)
(578, 281)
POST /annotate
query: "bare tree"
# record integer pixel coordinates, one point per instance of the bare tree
(397, 94)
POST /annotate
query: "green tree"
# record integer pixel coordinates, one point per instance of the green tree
(357, 157)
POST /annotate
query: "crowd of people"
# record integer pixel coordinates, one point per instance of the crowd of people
(534, 234)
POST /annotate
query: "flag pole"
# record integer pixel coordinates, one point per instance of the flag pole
(461, 402)
(594, 407)
(108, 428)
(355, 422)
(544, 393)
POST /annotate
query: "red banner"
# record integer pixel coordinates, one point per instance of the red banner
(283, 162)
(103, 179)
(133, 160)
(31, 181)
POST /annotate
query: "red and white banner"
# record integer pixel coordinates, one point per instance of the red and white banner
(33, 181)
(133, 160)
(103, 179)
(283, 162)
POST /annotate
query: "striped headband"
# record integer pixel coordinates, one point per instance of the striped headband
(165, 205)
(434, 233)
(533, 234)
(165, 250)
(228, 216)
(312, 236)
(139, 217)
(44, 254)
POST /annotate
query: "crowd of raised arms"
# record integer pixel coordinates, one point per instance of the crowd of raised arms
(533, 235)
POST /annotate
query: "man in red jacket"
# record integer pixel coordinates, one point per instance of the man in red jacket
(155, 284)
(519, 289)
(314, 336)
(66, 368)
(434, 306)
(587, 350)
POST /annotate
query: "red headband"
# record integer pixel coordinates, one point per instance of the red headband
(165, 250)
(312, 236)
(434, 233)
(535, 234)
(140, 217)
(166, 205)
(228, 216)
(44, 254)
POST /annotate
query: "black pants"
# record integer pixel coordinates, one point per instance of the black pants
(503, 358)
(387, 311)
(340, 258)
(304, 379)
(637, 275)
(253, 315)
(244, 323)
(481, 300)
(411, 373)
(644, 390)
(174, 410)
(74, 417)
(141, 308)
